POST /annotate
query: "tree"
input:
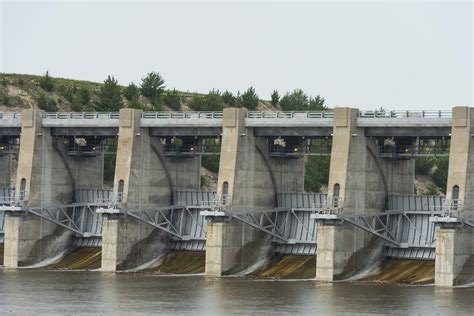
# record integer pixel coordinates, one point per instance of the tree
(136, 104)
(131, 92)
(84, 95)
(249, 99)
(275, 98)
(211, 102)
(152, 85)
(424, 165)
(316, 173)
(172, 98)
(46, 82)
(110, 96)
(229, 98)
(299, 101)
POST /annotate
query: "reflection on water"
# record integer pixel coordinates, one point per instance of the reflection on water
(60, 292)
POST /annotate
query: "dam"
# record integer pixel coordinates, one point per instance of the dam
(58, 212)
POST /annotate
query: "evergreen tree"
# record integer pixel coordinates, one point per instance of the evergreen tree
(249, 99)
(275, 98)
(46, 82)
(152, 85)
(110, 96)
(131, 92)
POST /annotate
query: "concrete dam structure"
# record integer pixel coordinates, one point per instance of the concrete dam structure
(260, 221)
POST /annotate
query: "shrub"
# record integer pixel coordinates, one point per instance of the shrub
(152, 85)
(46, 82)
(76, 104)
(424, 165)
(275, 98)
(210, 102)
(316, 172)
(4, 82)
(440, 176)
(229, 98)
(249, 99)
(136, 104)
(110, 96)
(431, 189)
(46, 104)
(204, 181)
(21, 82)
(6, 100)
(172, 98)
(131, 92)
(84, 95)
(299, 101)
(157, 103)
(211, 162)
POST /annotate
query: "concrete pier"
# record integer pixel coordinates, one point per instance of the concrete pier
(359, 183)
(249, 180)
(46, 176)
(454, 263)
(144, 178)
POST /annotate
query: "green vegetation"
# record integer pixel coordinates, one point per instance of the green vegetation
(275, 98)
(131, 92)
(316, 172)
(46, 82)
(229, 99)
(211, 163)
(249, 99)
(152, 85)
(110, 96)
(299, 101)
(210, 102)
(45, 103)
(424, 165)
(440, 176)
(172, 98)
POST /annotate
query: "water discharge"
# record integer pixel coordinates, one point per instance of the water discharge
(180, 262)
(85, 258)
(289, 267)
(404, 271)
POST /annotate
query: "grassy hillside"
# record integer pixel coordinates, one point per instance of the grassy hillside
(19, 91)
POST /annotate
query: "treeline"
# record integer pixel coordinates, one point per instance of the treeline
(151, 94)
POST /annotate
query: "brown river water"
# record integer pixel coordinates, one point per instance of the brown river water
(54, 292)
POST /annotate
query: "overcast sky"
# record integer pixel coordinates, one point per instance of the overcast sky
(400, 55)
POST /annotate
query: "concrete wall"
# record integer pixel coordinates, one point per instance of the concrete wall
(253, 179)
(455, 246)
(51, 178)
(365, 181)
(149, 179)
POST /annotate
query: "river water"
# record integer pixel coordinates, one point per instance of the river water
(65, 292)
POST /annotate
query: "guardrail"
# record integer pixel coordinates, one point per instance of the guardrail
(289, 114)
(81, 115)
(10, 115)
(182, 115)
(405, 114)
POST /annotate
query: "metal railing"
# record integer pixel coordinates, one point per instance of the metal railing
(10, 115)
(182, 115)
(81, 115)
(290, 114)
(404, 114)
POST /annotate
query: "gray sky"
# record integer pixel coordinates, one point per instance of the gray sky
(400, 55)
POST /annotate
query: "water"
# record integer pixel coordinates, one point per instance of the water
(66, 292)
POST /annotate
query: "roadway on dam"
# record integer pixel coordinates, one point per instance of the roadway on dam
(60, 292)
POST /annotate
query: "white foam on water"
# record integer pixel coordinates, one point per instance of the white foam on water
(150, 264)
(46, 262)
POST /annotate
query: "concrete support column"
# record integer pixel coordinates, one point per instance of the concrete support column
(250, 179)
(362, 182)
(45, 176)
(454, 261)
(146, 178)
